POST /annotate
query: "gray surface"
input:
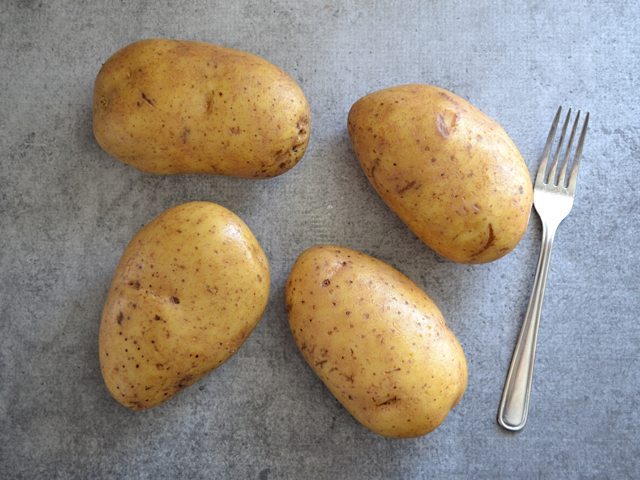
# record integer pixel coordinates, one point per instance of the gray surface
(67, 210)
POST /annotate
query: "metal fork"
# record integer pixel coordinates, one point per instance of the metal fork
(553, 199)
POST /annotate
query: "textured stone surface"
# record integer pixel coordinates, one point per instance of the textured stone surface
(67, 211)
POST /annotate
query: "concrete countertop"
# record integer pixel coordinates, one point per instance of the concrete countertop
(67, 210)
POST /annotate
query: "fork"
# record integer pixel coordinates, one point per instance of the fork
(552, 199)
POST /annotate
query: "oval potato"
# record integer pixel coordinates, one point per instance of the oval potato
(189, 289)
(376, 340)
(447, 170)
(169, 106)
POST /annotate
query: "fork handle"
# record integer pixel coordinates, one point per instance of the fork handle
(514, 405)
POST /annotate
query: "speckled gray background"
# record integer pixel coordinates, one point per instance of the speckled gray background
(67, 211)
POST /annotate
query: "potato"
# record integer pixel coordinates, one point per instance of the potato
(377, 341)
(447, 170)
(168, 106)
(188, 290)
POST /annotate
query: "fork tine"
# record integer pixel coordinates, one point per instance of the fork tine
(554, 165)
(565, 161)
(545, 153)
(576, 161)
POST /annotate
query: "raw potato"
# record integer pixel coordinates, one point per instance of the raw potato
(447, 170)
(169, 106)
(188, 290)
(376, 340)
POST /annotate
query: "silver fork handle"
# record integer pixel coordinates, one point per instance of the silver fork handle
(514, 405)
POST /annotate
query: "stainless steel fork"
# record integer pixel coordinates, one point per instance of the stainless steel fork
(553, 199)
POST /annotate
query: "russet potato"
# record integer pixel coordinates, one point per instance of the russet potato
(169, 106)
(377, 341)
(189, 289)
(446, 169)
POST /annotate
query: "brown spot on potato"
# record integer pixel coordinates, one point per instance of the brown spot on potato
(490, 241)
(184, 136)
(135, 285)
(302, 125)
(388, 402)
(445, 122)
(120, 318)
(175, 300)
(147, 99)
(406, 187)
(184, 381)
(326, 282)
(136, 405)
(372, 172)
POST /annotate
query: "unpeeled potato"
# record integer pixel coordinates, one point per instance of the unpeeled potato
(174, 106)
(189, 289)
(450, 172)
(377, 341)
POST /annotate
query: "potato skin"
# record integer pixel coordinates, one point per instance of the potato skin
(170, 106)
(189, 289)
(447, 170)
(376, 340)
